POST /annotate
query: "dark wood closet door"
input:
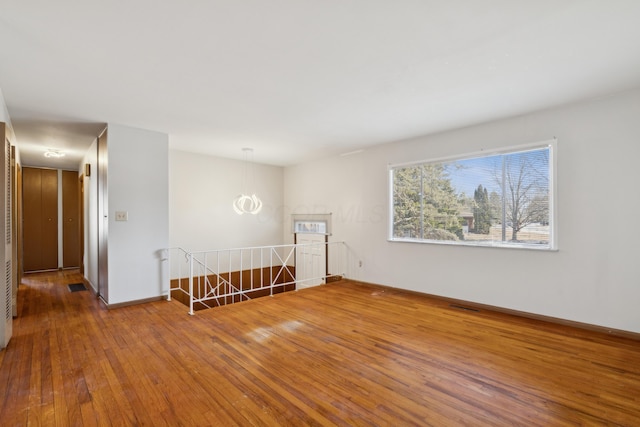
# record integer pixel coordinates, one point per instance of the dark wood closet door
(71, 218)
(40, 218)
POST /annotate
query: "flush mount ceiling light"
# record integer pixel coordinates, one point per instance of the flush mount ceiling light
(54, 153)
(247, 202)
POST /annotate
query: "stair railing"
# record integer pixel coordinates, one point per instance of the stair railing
(206, 279)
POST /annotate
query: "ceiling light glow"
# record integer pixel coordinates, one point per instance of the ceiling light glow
(54, 153)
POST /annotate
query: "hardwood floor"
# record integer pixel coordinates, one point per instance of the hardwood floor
(340, 354)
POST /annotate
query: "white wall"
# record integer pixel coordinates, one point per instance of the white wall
(4, 117)
(201, 192)
(594, 277)
(138, 184)
(4, 113)
(91, 216)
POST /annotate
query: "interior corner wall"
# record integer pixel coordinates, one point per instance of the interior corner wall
(592, 278)
(138, 184)
(4, 113)
(201, 192)
(4, 117)
(91, 216)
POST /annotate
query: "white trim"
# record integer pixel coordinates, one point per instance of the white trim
(480, 153)
(553, 197)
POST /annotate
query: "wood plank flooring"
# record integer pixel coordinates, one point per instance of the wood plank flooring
(340, 354)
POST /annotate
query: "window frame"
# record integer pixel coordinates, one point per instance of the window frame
(551, 144)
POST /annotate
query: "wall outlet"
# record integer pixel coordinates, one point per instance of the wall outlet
(122, 216)
(360, 263)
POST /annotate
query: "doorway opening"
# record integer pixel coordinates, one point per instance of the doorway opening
(311, 238)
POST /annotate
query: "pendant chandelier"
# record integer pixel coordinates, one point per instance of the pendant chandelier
(247, 202)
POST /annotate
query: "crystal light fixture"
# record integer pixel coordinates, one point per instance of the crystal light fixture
(247, 202)
(53, 153)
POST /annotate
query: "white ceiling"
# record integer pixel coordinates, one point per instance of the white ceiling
(299, 79)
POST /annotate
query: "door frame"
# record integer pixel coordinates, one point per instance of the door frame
(326, 257)
(103, 218)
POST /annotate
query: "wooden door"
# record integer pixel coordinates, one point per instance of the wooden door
(19, 230)
(71, 222)
(81, 221)
(15, 245)
(40, 218)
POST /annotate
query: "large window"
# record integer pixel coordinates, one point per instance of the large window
(502, 199)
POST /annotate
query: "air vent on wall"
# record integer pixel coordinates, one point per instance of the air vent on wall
(462, 307)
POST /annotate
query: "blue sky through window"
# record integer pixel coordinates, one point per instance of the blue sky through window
(467, 174)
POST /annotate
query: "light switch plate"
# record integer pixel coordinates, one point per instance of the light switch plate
(122, 216)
